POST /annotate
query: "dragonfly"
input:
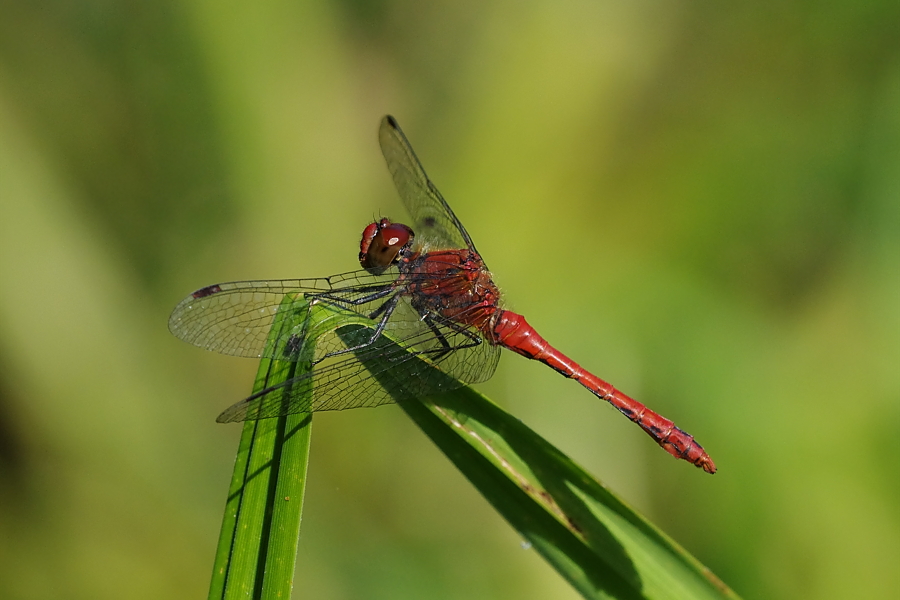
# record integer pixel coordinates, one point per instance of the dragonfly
(422, 286)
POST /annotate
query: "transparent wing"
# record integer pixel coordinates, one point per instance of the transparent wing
(235, 318)
(374, 374)
(433, 221)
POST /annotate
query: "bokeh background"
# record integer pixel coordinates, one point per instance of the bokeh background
(698, 201)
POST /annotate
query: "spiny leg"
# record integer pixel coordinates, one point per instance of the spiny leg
(474, 339)
(387, 309)
(379, 291)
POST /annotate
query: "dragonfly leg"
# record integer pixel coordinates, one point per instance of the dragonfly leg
(295, 342)
(387, 309)
(445, 345)
(474, 340)
(379, 291)
(385, 305)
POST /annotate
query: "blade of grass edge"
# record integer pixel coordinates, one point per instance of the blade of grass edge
(593, 539)
(257, 546)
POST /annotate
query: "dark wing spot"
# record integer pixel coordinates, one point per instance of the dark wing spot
(428, 222)
(207, 291)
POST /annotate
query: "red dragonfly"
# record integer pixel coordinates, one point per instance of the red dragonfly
(424, 286)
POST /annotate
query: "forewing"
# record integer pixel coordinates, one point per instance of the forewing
(235, 318)
(433, 222)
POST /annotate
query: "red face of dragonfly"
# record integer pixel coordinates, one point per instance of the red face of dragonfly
(441, 304)
(381, 245)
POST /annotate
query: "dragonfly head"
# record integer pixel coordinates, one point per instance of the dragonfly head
(382, 244)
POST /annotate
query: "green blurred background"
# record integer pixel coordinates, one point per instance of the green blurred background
(699, 202)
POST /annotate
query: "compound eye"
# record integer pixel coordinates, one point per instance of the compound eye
(368, 235)
(396, 235)
(381, 245)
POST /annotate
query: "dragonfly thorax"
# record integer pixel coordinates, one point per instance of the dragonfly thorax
(454, 284)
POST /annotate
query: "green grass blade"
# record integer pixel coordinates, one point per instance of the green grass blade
(593, 539)
(257, 547)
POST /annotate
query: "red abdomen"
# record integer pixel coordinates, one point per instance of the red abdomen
(513, 332)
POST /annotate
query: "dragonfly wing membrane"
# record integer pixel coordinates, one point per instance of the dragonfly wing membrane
(459, 351)
(231, 318)
(377, 373)
(433, 220)
(235, 318)
(337, 386)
